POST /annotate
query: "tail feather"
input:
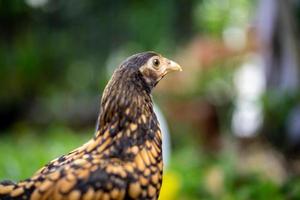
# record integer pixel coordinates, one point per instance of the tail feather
(6, 187)
(7, 182)
(11, 191)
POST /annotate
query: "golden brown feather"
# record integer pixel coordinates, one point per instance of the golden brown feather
(124, 158)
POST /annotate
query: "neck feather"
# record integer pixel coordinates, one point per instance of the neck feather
(124, 99)
(127, 118)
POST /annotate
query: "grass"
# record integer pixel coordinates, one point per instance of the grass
(24, 151)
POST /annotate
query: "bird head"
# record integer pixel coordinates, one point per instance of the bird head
(131, 84)
(156, 67)
(135, 77)
(151, 66)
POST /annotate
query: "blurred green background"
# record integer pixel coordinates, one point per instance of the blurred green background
(233, 114)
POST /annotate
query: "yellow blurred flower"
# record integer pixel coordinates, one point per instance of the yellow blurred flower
(170, 187)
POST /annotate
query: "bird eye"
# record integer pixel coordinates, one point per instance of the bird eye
(156, 62)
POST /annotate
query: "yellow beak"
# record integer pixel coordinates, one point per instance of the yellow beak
(172, 66)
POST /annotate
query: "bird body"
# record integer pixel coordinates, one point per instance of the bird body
(124, 158)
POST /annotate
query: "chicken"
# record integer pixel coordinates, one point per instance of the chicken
(124, 158)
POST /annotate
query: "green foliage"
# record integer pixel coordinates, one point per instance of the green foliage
(62, 47)
(215, 15)
(28, 150)
(194, 168)
(55, 55)
(292, 189)
(278, 106)
(24, 150)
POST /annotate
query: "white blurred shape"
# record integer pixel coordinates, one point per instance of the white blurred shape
(249, 81)
(165, 135)
(36, 3)
(247, 118)
(234, 38)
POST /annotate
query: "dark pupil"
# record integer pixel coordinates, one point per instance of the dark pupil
(156, 62)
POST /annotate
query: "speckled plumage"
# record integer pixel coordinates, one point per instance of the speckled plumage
(124, 158)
